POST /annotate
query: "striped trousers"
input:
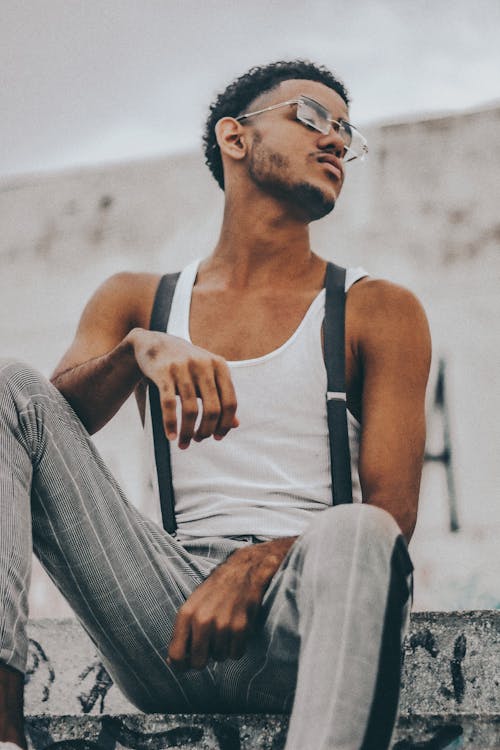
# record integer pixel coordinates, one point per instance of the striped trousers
(327, 646)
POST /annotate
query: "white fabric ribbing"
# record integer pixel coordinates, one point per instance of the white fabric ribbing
(267, 476)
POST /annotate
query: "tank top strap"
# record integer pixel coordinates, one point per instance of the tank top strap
(354, 274)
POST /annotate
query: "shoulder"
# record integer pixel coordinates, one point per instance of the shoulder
(384, 315)
(370, 296)
(127, 295)
(129, 282)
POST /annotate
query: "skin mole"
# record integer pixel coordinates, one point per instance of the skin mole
(152, 352)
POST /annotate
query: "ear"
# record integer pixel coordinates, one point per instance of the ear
(231, 138)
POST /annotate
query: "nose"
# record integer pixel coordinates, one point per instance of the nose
(333, 142)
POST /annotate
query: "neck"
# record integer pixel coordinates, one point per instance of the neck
(261, 243)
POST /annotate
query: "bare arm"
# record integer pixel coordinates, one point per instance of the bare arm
(113, 351)
(394, 352)
(99, 371)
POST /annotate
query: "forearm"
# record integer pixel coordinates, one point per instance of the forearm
(397, 491)
(96, 389)
(259, 562)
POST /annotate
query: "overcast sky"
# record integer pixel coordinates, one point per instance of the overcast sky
(86, 81)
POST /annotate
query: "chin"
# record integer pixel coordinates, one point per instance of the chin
(313, 202)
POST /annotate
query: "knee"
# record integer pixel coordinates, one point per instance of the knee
(19, 376)
(367, 521)
(348, 540)
(351, 527)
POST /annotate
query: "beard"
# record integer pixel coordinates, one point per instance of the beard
(270, 171)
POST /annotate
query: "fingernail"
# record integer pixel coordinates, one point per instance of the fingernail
(171, 435)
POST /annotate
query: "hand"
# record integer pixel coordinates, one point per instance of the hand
(216, 620)
(220, 615)
(177, 367)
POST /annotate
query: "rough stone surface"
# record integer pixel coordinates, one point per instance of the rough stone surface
(450, 695)
(255, 732)
(452, 663)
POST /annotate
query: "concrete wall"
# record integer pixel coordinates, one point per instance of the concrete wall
(450, 691)
(422, 211)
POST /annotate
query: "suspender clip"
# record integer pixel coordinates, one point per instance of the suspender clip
(336, 395)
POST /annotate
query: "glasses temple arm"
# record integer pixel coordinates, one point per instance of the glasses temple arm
(267, 109)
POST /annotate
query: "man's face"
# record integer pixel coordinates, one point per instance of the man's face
(291, 161)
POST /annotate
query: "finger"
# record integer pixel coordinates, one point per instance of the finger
(239, 635)
(200, 644)
(178, 651)
(168, 404)
(221, 642)
(209, 395)
(189, 402)
(227, 396)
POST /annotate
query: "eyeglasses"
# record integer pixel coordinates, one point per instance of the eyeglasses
(314, 115)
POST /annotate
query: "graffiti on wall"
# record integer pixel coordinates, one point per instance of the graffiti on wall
(140, 732)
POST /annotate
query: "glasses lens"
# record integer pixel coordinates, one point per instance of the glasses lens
(313, 114)
(346, 131)
(356, 146)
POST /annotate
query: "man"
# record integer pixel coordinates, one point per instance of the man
(266, 599)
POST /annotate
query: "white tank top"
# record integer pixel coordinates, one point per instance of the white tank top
(267, 476)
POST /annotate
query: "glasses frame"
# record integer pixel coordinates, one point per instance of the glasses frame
(303, 99)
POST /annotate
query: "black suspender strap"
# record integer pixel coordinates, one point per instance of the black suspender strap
(159, 321)
(336, 401)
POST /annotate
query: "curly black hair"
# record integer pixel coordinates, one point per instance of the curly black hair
(234, 100)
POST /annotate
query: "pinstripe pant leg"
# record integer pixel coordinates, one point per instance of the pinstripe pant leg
(122, 574)
(334, 619)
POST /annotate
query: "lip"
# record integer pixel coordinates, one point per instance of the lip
(332, 164)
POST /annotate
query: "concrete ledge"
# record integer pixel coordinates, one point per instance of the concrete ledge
(253, 732)
(450, 695)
